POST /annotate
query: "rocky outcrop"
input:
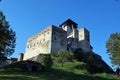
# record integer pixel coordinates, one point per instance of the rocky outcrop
(93, 59)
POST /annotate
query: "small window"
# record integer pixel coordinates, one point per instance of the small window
(44, 39)
(47, 32)
(62, 43)
(30, 46)
(81, 35)
(40, 41)
(34, 44)
(54, 38)
(27, 46)
(37, 43)
(44, 35)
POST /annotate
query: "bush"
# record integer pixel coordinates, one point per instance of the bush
(44, 59)
(64, 56)
(47, 61)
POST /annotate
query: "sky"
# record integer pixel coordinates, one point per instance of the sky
(28, 17)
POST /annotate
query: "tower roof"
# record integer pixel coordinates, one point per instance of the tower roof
(69, 22)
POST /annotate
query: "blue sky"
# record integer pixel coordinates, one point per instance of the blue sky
(28, 17)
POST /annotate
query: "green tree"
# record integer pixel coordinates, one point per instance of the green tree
(113, 48)
(7, 37)
(64, 56)
(44, 59)
(91, 65)
(48, 62)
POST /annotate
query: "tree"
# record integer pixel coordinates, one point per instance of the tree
(113, 48)
(91, 65)
(48, 62)
(7, 37)
(64, 56)
(44, 59)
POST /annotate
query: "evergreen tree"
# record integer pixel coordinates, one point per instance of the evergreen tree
(7, 37)
(113, 48)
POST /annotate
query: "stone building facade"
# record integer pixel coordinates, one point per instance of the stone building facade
(53, 38)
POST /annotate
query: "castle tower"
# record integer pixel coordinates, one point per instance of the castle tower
(84, 40)
(20, 57)
(53, 39)
(84, 35)
(69, 26)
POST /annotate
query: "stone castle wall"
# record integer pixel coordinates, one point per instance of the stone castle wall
(53, 39)
(39, 43)
(59, 39)
(84, 40)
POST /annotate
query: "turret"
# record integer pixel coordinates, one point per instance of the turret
(20, 57)
(69, 26)
(84, 34)
(84, 40)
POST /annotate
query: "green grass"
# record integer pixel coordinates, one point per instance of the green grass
(70, 71)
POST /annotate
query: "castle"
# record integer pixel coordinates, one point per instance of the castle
(53, 38)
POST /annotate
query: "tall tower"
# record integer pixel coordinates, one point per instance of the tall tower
(69, 26)
(84, 40)
(72, 34)
(84, 34)
(20, 57)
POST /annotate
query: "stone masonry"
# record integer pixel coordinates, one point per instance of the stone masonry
(53, 39)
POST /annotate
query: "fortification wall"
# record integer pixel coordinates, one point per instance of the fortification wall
(53, 39)
(59, 39)
(84, 40)
(39, 43)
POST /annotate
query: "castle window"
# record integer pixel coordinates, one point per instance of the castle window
(44, 34)
(81, 35)
(37, 43)
(30, 46)
(27, 46)
(54, 38)
(39, 34)
(62, 43)
(40, 41)
(48, 32)
(44, 39)
(34, 44)
(88, 39)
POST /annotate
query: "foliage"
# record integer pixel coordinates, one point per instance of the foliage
(78, 54)
(64, 56)
(39, 58)
(2, 57)
(7, 37)
(91, 66)
(68, 72)
(44, 59)
(113, 48)
(92, 60)
(48, 62)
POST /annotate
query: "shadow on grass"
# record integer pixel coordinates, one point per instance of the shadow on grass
(53, 74)
(15, 78)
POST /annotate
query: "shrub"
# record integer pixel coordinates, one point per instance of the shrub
(47, 61)
(64, 56)
(44, 59)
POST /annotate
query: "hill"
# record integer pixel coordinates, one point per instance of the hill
(70, 71)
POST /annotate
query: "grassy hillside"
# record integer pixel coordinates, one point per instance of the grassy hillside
(70, 71)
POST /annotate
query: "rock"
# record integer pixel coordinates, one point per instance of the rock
(33, 66)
